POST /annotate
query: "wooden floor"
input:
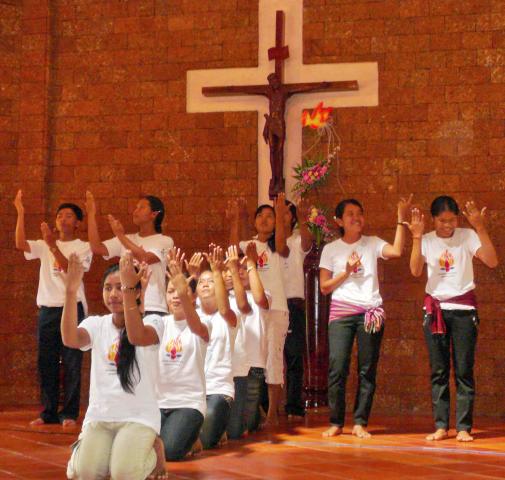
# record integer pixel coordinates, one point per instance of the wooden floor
(295, 451)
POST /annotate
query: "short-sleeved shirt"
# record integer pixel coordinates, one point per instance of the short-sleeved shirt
(108, 402)
(450, 264)
(361, 288)
(155, 299)
(51, 291)
(294, 284)
(181, 380)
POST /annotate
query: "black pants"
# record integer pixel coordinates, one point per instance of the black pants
(51, 349)
(462, 336)
(341, 335)
(180, 428)
(293, 356)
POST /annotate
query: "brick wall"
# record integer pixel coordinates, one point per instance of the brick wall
(92, 96)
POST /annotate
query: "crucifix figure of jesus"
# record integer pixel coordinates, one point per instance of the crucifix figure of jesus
(278, 93)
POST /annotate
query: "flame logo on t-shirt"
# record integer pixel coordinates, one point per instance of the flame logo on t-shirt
(113, 354)
(446, 261)
(263, 260)
(174, 348)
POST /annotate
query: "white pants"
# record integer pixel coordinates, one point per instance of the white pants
(277, 329)
(123, 450)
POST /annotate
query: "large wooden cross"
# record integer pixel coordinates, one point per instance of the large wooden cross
(278, 93)
(294, 71)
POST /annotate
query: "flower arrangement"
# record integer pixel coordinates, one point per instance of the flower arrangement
(317, 223)
(311, 174)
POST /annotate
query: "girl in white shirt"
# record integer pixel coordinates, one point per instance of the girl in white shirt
(119, 433)
(181, 379)
(450, 317)
(271, 246)
(348, 270)
(215, 310)
(148, 245)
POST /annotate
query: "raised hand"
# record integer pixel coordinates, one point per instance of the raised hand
(404, 207)
(280, 206)
(416, 225)
(116, 226)
(302, 209)
(215, 257)
(232, 210)
(252, 252)
(90, 203)
(242, 208)
(175, 262)
(474, 216)
(194, 266)
(353, 262)
(47, 235)
(75, 273)
(145, 275)
(127, 273)
(18, 202)
(232, 259)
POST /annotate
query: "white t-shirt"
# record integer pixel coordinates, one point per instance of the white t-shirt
(450, 267)
(108, 402)
(218, 360)
(294, 284)
(158, 244)
(240, 367)
(270, 269)
(51, 292)
(255, 343)
(181, 381)
(362, 286)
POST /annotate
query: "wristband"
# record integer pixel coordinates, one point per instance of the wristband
(249, 269)
(401, 223)
(125, 288)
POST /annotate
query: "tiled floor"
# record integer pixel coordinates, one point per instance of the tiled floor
(294, 451)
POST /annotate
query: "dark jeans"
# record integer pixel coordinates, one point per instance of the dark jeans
(50, 350)
(245, 415)
(341, 335)
(216, 420)
(293, 355)
(180, 428)
(462, 335)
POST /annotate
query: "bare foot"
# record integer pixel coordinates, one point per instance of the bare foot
(464, 436)
(270, 421)
(360, 432)
(333, 431)
(38, 422)
(296, 418)
(440, 434)
(68, 423)
(196, 448)
(159, 471)
(224, 440)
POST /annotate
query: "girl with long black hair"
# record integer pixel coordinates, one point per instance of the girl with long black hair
(119, 433)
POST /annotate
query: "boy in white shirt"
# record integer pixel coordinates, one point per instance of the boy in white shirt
(53, 251)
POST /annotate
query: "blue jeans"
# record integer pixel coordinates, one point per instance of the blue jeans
(216, 419)
(180, 428)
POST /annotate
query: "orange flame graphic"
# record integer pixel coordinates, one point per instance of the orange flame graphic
(318, 118)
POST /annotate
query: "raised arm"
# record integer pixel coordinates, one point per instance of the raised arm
(396, 250)
(416, 227)
(487, 252)
(175, 261)
(137, 251)
(21, 243)
(257, 290)
(215, 259)
(71, 335)
(237, 216)
(327, 284)
(281, 247)
(50, 239)
(138, 333)
(97, 247)
(233, 263)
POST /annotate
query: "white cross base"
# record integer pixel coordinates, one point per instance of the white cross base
(294, 72)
